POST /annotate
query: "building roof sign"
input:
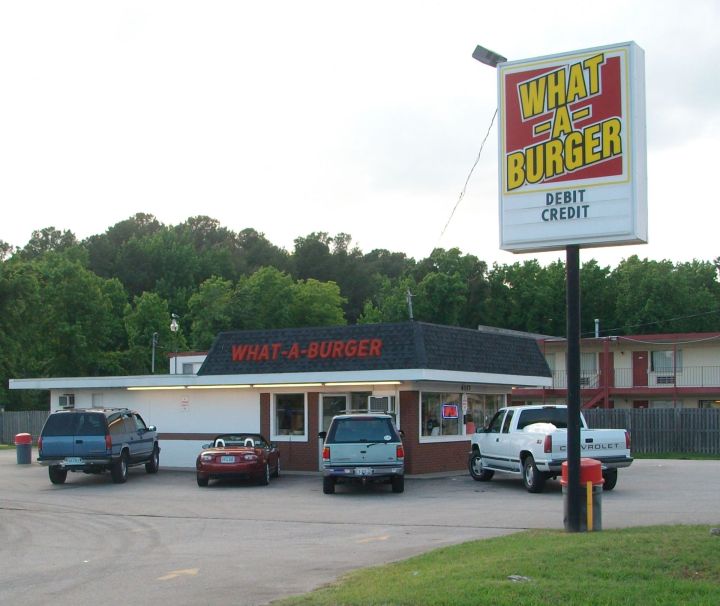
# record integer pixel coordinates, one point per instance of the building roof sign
(364, 347)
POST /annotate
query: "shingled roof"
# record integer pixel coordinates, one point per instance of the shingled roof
(405, 345)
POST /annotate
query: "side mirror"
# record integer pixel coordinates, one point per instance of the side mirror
(152, 428)
(322, 435)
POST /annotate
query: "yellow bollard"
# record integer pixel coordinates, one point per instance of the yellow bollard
(589, 496)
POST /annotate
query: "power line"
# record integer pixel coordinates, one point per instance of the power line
(462, 193)
(697, 315)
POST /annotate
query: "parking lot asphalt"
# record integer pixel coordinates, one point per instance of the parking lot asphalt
(162, 539)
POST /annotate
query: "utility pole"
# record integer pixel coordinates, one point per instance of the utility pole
(409, 297)
(154, 345)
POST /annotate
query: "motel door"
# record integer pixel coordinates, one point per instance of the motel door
(640, 368)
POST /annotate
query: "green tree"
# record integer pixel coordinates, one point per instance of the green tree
(316, 303)
(20, 335)
(526, 296)
(440, 298)
(390, 303)
(658, 296)
(149, 315)
(76, 317)
(46, 240)
(263, 300)
(210, 311)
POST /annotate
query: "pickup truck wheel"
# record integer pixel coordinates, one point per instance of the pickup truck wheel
(398, 483)
(477, 471)
(119, 470)
(533, 479)
(57, 474)
(329, 485)
(153, 464)
(610, 477)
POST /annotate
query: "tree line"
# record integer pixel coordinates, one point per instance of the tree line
(95, 307)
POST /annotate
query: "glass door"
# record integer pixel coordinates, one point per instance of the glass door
(332, 404)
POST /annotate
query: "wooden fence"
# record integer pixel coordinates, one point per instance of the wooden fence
(684, 430)
(22, 421)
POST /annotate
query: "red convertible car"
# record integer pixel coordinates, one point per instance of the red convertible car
(240, 456)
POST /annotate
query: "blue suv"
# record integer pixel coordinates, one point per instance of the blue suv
(94, 440)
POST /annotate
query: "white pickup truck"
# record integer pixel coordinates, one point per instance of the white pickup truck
(532, 441)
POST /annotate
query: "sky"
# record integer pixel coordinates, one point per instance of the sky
(293, 117)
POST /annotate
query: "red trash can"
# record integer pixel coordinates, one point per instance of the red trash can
(590, 497)
(23, 448)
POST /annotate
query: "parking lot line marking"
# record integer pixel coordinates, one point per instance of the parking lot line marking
(174, 574)
(372, 539)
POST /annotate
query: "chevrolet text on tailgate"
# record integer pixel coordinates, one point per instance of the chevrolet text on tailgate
(531, 441)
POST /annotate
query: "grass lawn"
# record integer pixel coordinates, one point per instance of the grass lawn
(660, 565)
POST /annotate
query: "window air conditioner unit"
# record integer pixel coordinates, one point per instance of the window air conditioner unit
(67, 400)
(380, 404)
(665, 380)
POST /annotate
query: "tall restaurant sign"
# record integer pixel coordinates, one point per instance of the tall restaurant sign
(572, 150)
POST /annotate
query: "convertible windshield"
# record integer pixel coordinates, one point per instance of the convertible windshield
(240, 439)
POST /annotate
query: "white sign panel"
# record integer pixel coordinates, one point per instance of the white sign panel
(572, 163)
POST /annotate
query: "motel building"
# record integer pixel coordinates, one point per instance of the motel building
(438, 382)
(675, 370)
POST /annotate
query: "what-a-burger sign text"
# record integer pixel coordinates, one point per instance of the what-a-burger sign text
(572, 150)
(327, 349)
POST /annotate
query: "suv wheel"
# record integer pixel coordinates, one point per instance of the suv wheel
(329, 485)
(119, 470)
(398, 484)
(153, 464)
(57, 474)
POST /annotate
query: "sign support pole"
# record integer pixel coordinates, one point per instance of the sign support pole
(572, 268)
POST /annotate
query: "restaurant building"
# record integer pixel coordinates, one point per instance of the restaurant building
(438, 383)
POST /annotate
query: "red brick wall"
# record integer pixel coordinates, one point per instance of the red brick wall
(299, 455)
(419, 458)
(427, 458)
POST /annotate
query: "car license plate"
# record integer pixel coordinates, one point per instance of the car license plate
(363, 471)
(227, 459)
(73, 461)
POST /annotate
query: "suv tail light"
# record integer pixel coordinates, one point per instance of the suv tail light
(108, 441)
(627, 440)
(547, 445)
(40, 444)
(400, 451)
(326, 453)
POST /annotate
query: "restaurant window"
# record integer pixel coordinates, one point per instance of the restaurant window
(480, 409)
(289, 416)
(442, 413)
